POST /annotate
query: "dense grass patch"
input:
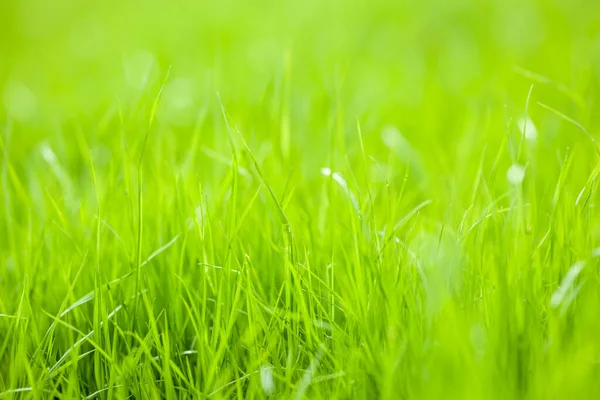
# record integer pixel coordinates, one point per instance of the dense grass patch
(317, 199)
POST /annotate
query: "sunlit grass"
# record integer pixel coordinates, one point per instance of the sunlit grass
(299, 200)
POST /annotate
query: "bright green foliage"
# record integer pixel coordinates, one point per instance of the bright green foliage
(310, 199)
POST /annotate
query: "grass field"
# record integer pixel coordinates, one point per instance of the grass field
(314, 199)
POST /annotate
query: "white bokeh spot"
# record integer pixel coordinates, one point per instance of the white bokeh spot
(528, 129)
(515, 174)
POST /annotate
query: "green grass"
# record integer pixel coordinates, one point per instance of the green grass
(315, 199)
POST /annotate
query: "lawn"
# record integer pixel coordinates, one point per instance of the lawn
(315, 199)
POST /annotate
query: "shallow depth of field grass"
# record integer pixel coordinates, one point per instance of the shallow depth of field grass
(314, 199)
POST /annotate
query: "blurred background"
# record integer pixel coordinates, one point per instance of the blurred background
(417, 64)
